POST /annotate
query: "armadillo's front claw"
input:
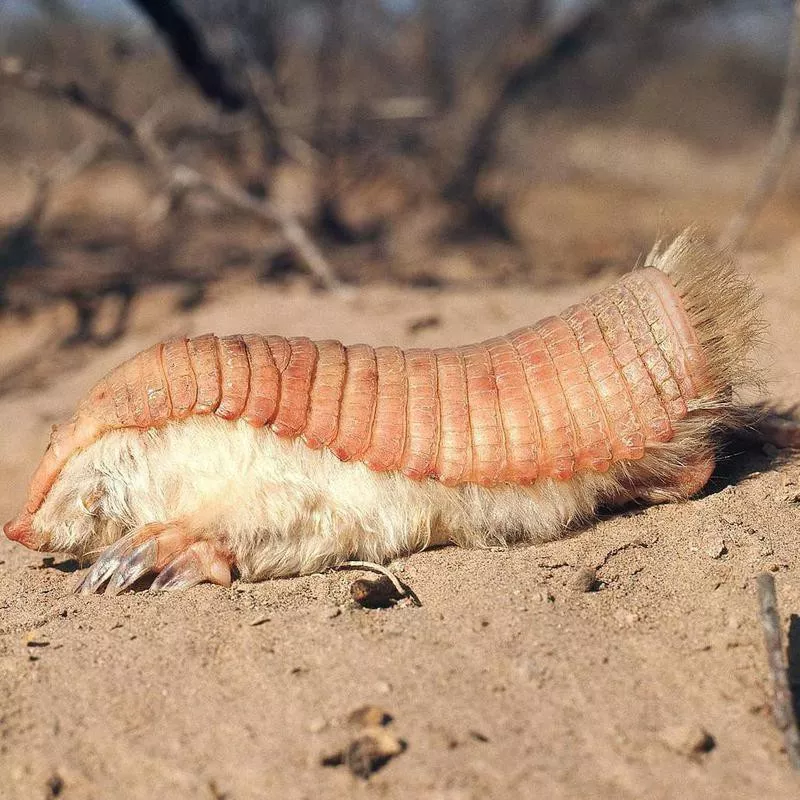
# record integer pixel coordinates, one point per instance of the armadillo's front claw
(144, 550)
(109, 561)
(140, 561)
(203, 562)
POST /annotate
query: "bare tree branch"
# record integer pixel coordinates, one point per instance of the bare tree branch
(778, 151)
(175, 176)
(528, 59)
(438, 53)
(187, 43)
(330, 65)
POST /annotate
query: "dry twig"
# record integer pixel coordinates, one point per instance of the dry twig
(785, 126)
(782, 707)
(176, 176)
(187, 43)
(528, 58)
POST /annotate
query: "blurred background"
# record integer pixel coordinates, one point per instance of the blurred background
(163, 150)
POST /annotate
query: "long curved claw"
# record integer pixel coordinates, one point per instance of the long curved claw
(171, 549)
(203, 562)
(108, 562)
(140, 561)
(143, 550)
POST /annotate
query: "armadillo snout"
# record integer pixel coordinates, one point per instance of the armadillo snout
(20, 529)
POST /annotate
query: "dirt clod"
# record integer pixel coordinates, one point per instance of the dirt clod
(367, 753)
(370, 717)
(716, 548)
(55, 785)
(584, 580)
(691, 741)
(378, 593)
(372, 746)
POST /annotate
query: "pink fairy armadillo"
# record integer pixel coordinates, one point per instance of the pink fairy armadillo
(281, 456)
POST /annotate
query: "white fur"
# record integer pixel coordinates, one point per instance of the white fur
(282, 508)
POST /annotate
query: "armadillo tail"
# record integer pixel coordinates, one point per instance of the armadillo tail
(723, 309)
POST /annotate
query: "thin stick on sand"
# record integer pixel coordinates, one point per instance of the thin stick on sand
(782, 705)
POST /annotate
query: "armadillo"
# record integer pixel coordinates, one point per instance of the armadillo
(269, 456)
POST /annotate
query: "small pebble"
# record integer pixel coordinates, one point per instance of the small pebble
(584, 580)
(370, 717)
(688, 740)
(55, 785)
(367, 753)
(317, 725)
(379, 593)
(716, 549)
(259, 620)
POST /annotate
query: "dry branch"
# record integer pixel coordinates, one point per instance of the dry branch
(783, 708)
(777, 153)
(187, 43)
(176, 177)
(531, 56)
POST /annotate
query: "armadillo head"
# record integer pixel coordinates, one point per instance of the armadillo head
(65, 440)
(20, 529)
(89, 495)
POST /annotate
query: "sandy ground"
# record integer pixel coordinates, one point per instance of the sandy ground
(509, 681)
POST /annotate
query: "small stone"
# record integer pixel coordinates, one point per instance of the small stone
(369, 717)
(730, 519)
(584, 580)
(367, 753)
(382, 687)
(259, 620)
(55, 785)
(716, 548)
(692, 741)
(379, 593)
(317, 725)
